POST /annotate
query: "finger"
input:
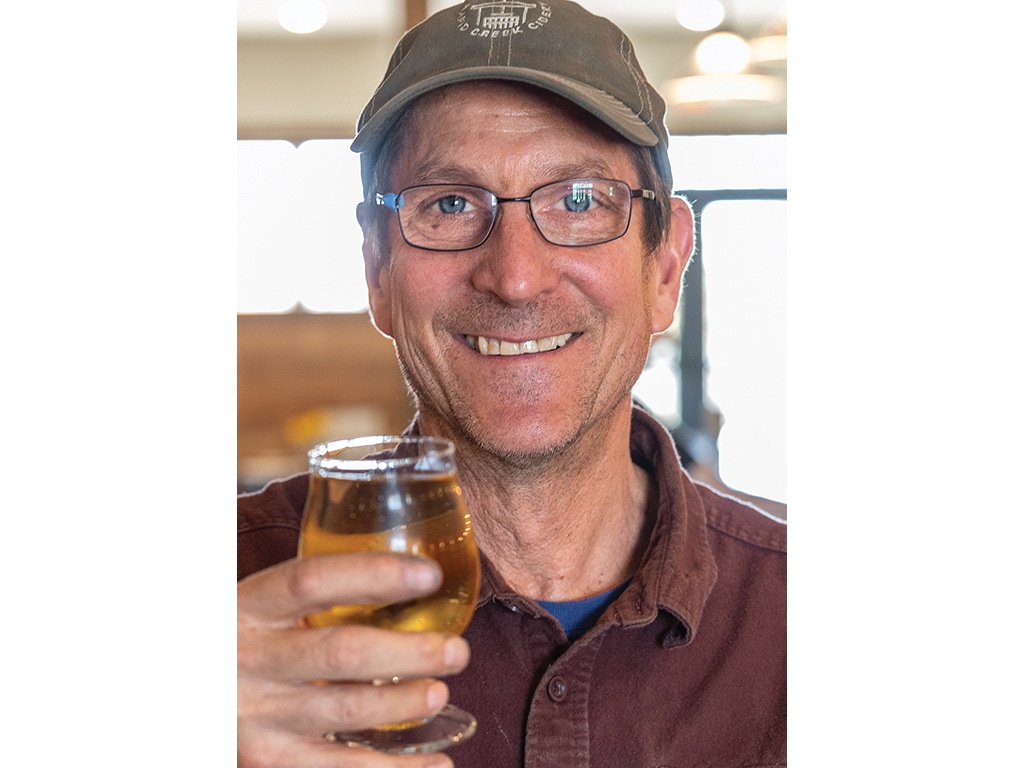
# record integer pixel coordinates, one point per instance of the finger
(285, 750)
(351, 653)
(319, 709)
(286, 592)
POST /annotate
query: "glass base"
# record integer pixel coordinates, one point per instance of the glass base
(448, 727)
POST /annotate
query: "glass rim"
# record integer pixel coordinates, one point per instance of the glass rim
(322, 458)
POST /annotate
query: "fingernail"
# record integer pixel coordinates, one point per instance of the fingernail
(422, 575)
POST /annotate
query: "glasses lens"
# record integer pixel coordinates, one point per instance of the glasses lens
(582, 211)
(446, 217)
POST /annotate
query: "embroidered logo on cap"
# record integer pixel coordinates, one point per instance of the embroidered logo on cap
(496, 19)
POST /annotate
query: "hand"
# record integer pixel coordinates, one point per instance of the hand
(284, 708)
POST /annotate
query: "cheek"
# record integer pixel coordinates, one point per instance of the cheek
(622, 289)
(418, 289)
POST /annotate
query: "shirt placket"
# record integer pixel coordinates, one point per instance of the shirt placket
(558, 723)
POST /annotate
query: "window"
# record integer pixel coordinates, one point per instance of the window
(298, 240)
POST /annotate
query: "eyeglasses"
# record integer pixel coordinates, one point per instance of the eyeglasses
(457, 217)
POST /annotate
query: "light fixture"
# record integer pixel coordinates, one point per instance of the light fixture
(769, 51)
(700, 15)
(725, 89)
(727, 70)
(722, 53)
(302, 16)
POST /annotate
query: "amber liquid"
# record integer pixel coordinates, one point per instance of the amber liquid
(420, 515)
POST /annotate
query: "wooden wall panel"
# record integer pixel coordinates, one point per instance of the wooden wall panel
(305, 377)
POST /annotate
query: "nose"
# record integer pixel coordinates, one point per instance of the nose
(516, 263)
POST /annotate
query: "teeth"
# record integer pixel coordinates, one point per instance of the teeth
(487, 346)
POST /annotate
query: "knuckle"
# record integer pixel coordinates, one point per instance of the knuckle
(251, 659)
(347, 650)
(306, 579)
(349, 706)
(250, 654)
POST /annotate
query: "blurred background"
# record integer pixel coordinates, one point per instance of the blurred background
(724, 73)
(311, 366)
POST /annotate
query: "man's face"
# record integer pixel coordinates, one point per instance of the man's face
(597, 306)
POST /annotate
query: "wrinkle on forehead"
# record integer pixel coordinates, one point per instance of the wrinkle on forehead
(526, 115)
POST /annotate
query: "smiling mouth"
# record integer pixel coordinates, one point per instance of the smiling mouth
(486, 346)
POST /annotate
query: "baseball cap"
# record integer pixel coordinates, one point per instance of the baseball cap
(554, 44)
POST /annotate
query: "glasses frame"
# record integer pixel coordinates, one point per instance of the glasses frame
(394, 201)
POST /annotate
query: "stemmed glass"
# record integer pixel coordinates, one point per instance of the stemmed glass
(397, 494)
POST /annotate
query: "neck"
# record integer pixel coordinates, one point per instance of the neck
(562, 527)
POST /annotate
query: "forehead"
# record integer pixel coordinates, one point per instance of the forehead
(481, 126)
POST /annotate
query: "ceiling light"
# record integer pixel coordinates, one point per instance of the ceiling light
(302, 16)
(722, 53)
(700, 15)
(723, 89)
(770, 49)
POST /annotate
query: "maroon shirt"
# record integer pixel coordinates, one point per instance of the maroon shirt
(686, 668)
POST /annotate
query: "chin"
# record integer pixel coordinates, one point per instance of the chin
(521, 442)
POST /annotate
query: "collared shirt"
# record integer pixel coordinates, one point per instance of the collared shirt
(686, 668)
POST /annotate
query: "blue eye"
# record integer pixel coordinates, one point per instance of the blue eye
(579, 200)
(452, 204)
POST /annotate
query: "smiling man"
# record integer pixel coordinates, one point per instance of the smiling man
(522, 246)
(560, 266)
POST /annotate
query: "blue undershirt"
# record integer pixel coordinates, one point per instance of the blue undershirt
(577, 616)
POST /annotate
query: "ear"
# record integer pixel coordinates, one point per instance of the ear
(378, 276)
(670, 262)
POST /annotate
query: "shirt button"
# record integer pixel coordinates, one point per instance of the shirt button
(557, 689)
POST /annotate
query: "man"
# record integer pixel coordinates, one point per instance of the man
(521, 247)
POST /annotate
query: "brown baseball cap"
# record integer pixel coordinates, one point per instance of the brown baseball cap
(553, 44)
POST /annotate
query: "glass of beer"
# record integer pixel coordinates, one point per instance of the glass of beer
(396, 494)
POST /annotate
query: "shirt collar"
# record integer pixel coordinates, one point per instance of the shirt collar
(678, 570)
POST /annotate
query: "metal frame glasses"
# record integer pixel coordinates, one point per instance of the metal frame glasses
(459, 217)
